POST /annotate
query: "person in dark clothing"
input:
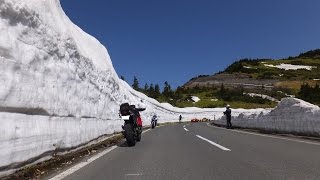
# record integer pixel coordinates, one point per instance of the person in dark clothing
(136, 114)
(180, 118)
(228, 115)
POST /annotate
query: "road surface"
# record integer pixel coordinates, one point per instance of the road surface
(199, 151)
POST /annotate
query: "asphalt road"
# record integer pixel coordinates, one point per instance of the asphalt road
(198, 151)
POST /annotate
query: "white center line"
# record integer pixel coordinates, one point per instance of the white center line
(133, 174)
(186, 129)
(213, 143)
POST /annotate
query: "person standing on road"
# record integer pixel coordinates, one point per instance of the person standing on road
(228, 115)
(154, 119)
(180, 118)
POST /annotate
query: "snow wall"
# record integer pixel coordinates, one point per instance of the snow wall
(292, 116)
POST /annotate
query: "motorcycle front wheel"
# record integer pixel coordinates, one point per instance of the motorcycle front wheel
(153, 124)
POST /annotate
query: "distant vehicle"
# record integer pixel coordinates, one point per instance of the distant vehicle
(195, 120)
(205, 120)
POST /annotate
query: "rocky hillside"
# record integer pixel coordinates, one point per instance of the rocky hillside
(266, 74)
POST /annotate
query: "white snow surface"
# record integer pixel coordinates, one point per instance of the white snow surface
(59, 89)
(290, 66)
(290, 116)
(248, 67)
(262, 96)
(195, 99)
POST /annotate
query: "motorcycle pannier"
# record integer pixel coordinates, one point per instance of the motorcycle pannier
(124, 109)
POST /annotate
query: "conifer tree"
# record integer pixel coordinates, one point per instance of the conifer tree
(146, 87)
(167, 91)
(135, 84)
(151, 91)
(157, 91)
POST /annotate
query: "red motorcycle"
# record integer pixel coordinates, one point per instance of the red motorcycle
(132, 127)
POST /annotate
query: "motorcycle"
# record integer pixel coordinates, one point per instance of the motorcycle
(154, 121)
(132, 128)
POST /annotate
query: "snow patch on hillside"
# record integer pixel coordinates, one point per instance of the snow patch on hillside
(262, 96)
(248, 67)
(290, 66)
(195, 99)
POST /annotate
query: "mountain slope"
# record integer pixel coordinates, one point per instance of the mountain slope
(266, 73)
(260, 79)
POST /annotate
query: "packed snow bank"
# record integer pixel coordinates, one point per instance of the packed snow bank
(290, 116)
(41, 136)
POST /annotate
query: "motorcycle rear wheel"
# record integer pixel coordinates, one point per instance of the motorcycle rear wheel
(129, 134)
(139, 137)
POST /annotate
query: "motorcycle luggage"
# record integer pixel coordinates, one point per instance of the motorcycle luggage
(125, 109)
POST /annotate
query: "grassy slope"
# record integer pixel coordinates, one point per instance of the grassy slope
(259, 70)
(291, 80)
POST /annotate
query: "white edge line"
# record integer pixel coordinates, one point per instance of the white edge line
(264, 135)
(146, 131)
(82, 164)
(186, 129)
(133, 174)
(213, 143)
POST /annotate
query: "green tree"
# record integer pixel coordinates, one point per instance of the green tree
(167, 91)
(178, 94)
(224, 94)
(309, 93)
(151, 91)
(135, 84)
(146, 87)
(157, 91)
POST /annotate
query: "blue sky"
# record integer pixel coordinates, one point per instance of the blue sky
(175, 40)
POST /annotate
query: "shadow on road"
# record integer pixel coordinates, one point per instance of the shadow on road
(123, 144)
